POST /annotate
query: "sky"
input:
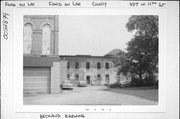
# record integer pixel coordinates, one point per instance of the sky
(92, 35)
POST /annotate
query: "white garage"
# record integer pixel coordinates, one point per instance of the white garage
(36, 80)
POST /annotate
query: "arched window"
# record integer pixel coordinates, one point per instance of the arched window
(27, 41)
(46, 42)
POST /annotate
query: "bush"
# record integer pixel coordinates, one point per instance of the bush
(137, 82)
(148, 82)
(115, 85)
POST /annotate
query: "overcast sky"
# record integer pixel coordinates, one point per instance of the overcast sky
(92, 35)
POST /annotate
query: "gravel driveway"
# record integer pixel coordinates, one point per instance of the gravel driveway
(91, 95)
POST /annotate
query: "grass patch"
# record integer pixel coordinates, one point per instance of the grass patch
(149, 93)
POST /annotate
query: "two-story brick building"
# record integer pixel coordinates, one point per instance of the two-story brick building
(95, 70)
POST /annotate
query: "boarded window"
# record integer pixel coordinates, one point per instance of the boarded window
(68, 76)
(107, 65)
(77, 77)
(27, 41)
(46, 39)
(107, 76)
(99, 77)
(87, 65)
(68, 65)
(98, 65)
(76, 65)
(107, 79)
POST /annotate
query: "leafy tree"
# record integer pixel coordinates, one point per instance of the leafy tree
(142, 55)
(144, 25)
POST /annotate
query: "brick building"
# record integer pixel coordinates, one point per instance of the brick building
(44, 69)
(41, 64)
(95, 70)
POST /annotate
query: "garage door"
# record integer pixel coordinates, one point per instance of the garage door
(36, 80)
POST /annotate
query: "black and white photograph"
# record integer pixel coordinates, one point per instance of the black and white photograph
(90, 59)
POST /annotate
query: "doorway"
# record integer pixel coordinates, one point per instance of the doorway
(88, 80)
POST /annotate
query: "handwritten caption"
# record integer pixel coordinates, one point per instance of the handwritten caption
(57, 4)
(76, 4)
(101, 4)
(58, 116)
(5, 25)
(28, 4)
(143, 4)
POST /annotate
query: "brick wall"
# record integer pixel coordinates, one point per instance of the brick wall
(37, 22)
(92, 72)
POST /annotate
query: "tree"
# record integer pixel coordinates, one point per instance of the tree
(144, 25)
(142, 50)
(143, 55)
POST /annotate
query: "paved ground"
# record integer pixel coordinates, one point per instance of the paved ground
(97, 95)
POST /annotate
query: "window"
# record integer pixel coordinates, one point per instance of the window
(27, 40)
(77, 77)
(107, 76)
(87, 65)
(68, 76)
(46, 39)
(107, 65)
(98, 65)
(77, 65)
(99, 76)
(107, 79)
(68, 65)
